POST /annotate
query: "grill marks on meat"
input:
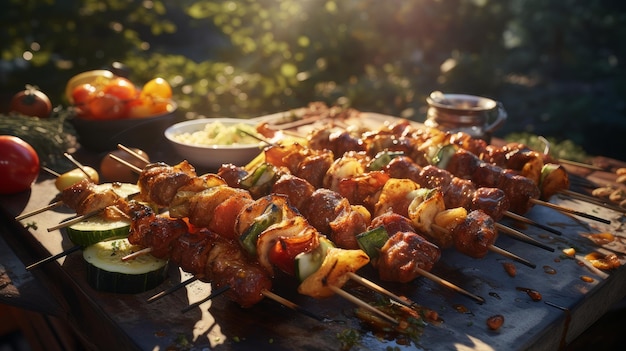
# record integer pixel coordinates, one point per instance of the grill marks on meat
(332, 215)
(159, 182)
(303, 162)
(297, 190)
(458, 192)
(338, 142)
(475, 235)
(491, 201)
(205, 254)
(404, 254)
(518, 189)
(85, 197)
(392, 222)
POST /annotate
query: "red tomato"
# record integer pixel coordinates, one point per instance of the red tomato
(82, 93)
(31, 102)
(81, 96)
(19, 165)
(284, 252)
(106, 106)
(121, 88)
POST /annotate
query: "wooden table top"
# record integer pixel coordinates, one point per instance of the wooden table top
(568, 306)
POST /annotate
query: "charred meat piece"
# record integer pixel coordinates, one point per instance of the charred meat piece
(159, 183)
(157, 232)
(518, 189)
(475, 235)
(85, 197)
(232, 174)
(492, 201)
(313, 168)
(332, 215)
(297, 190)
(392, 222)
(204, 254)
(404, 254)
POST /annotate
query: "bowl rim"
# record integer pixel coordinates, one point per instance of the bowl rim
(129, 120)
(170, 131)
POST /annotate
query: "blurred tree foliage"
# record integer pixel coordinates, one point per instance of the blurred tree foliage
(557, 66)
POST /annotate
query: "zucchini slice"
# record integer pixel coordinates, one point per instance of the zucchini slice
(107, 272)
(122, 189)
(96, 229)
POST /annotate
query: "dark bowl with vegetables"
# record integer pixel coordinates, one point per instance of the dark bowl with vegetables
(111, 110)
(105, 135)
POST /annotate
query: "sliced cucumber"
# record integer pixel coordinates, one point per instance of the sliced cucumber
(122, 189)
(107, 272)
(96, 229)
(309, 262)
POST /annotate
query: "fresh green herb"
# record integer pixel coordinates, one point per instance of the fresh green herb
(564, 149)
(348, 338)
(50, 137)
(182, 341)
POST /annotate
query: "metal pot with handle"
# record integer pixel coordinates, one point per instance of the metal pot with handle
(475, 115)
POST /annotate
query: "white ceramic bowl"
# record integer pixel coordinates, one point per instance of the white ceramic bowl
(212, 156)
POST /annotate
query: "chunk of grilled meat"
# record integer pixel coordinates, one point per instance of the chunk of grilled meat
(205, 254)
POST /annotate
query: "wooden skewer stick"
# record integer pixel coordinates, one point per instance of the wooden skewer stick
(531, 222)
(584, 183)
(522, 237)
(171, 289)
(52, 205)
(56, 174)
(283, 301)
(497, 250)
(448, 284)
(593, 200)
(512, 256)
(53, 257)
(580, 164)
(355, 300)
(297, 123)
(213, 294)
(136, 254)
(259, 138)
(569, 210)
(132, 153)
(38, 211)
(126, 163)
(266, 293)
(373, 286)
(77, 164)
(75, 220)
(426, 274)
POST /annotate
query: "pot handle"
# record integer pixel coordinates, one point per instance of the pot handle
(502, 116)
